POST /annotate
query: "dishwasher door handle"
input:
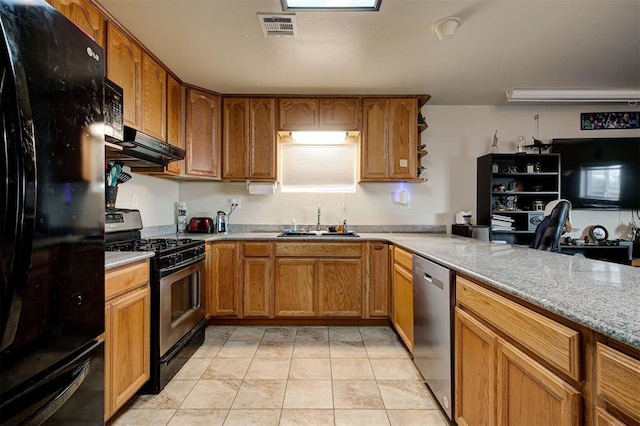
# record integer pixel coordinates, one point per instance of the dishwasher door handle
(430, 279)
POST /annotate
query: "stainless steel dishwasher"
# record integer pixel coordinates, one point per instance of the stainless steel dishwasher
(433, 302)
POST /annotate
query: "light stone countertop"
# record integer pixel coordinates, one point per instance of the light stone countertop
(602, 296)
(113, 259)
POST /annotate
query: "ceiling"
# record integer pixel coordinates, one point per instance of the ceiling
(218, 45)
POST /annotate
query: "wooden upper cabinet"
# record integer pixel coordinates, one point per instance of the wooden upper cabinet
(249, 139)
(203, 134)
(124, 67)
(319, 114)
(85, 15)
(389, 139)
(154, 98)
(175, 129)
(298, 114)
(339, 114)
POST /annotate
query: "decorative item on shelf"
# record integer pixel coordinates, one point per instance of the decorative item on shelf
(512, 169)
(512, 202)
(494, 143)
(521, 148)
(497, 206)
(537, 188)
(538, 206)
(529, 167)
(598, 233)
(541, 146)
(515, 186)
(495, 168)
(537, 167)
(498, 188)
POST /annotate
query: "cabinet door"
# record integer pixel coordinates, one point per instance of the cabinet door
(403, 304)
(379, 280)
(235, 139)
(294, 287)
(124, 67)
(375, 152)
(262, 139)
(475, 370)
(203, 134)
(526, 390)
(130, 345)
(85, 15)
(108, 362)
(154, 98)
(403, 134)
(298, 114)
(340, 287)
(175, 129)
(225, 280)
(339, 114)
(257, 287)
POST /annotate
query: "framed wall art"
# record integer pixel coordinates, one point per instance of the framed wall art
(609, 120)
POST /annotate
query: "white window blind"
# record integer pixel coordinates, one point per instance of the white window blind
(318, 168)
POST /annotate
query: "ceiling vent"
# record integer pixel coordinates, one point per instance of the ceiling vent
(281, 25)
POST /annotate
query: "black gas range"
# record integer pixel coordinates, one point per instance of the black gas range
(177, 292)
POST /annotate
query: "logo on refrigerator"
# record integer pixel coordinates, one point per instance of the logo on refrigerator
(93, 54)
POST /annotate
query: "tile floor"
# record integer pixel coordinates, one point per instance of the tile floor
(292, 376)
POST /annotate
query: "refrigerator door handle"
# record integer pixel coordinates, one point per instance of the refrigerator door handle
(19, 203)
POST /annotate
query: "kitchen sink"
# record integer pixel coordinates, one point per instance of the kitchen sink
(318, 234)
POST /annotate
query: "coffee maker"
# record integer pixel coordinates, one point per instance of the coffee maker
(221, 223)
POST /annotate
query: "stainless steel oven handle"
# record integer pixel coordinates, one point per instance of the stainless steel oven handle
(168, 271)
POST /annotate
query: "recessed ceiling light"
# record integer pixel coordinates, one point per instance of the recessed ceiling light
(332, 5)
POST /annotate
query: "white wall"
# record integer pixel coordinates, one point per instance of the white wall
(456, 136)
(156, 198)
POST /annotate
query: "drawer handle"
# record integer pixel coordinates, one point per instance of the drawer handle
(428, 278)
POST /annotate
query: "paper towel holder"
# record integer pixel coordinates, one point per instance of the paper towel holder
(261, 188)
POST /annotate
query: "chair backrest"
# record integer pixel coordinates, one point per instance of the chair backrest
(550, 230)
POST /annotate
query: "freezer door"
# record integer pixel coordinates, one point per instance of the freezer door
(52, 206)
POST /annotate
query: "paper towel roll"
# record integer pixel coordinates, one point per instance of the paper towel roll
(261, 188)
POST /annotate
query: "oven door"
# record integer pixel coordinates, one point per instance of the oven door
(181, 304)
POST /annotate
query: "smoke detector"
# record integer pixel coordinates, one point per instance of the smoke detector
(278, 25)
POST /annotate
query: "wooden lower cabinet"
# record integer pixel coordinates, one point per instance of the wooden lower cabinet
(294, 288)
(402, 288)
(378, 280)
(224, 295)
(340, 288)
(618, 384)
(257, 272)
(127, 333)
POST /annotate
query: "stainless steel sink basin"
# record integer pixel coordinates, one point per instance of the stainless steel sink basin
(316, 234)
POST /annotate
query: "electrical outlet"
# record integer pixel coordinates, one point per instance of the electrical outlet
(235, 202)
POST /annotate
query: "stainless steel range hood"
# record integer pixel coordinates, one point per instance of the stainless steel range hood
(142, 150)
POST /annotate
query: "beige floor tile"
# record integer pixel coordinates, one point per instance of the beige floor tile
(416, 417)
(144, 418)
(403, 394)
(345, 334)
(313, 334)
(347, 350)
(193, 369)
(238, 349)
(362, 394)
(212, 394)
(209, 349)
(306, 417)
(218, 333)
(361, 418)
(227, 369)
(310, 368)
(198, 417)
(249, 333)
(171, 397)
(351, 369)
(377, 334)
(268, 368)
(279, 334)
(260, 394)
(306, 349)
(274, 350)
(252, 418)
(308, 394)
(393, 369)
(385, 349)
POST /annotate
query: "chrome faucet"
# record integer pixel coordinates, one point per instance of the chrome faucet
(318, 224)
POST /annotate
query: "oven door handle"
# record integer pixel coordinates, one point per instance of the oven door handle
(175, 268)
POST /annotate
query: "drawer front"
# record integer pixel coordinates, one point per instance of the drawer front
(262, 249)
(618, 379)
(551, 341)
(403, 257)
(126, 278)
(318, 250)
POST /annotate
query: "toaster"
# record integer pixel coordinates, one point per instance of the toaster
(202, 225)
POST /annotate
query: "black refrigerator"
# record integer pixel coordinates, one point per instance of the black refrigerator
(52, 219)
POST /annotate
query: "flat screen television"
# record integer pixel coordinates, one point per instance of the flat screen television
(600, 173)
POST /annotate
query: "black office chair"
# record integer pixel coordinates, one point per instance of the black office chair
(549, 231)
